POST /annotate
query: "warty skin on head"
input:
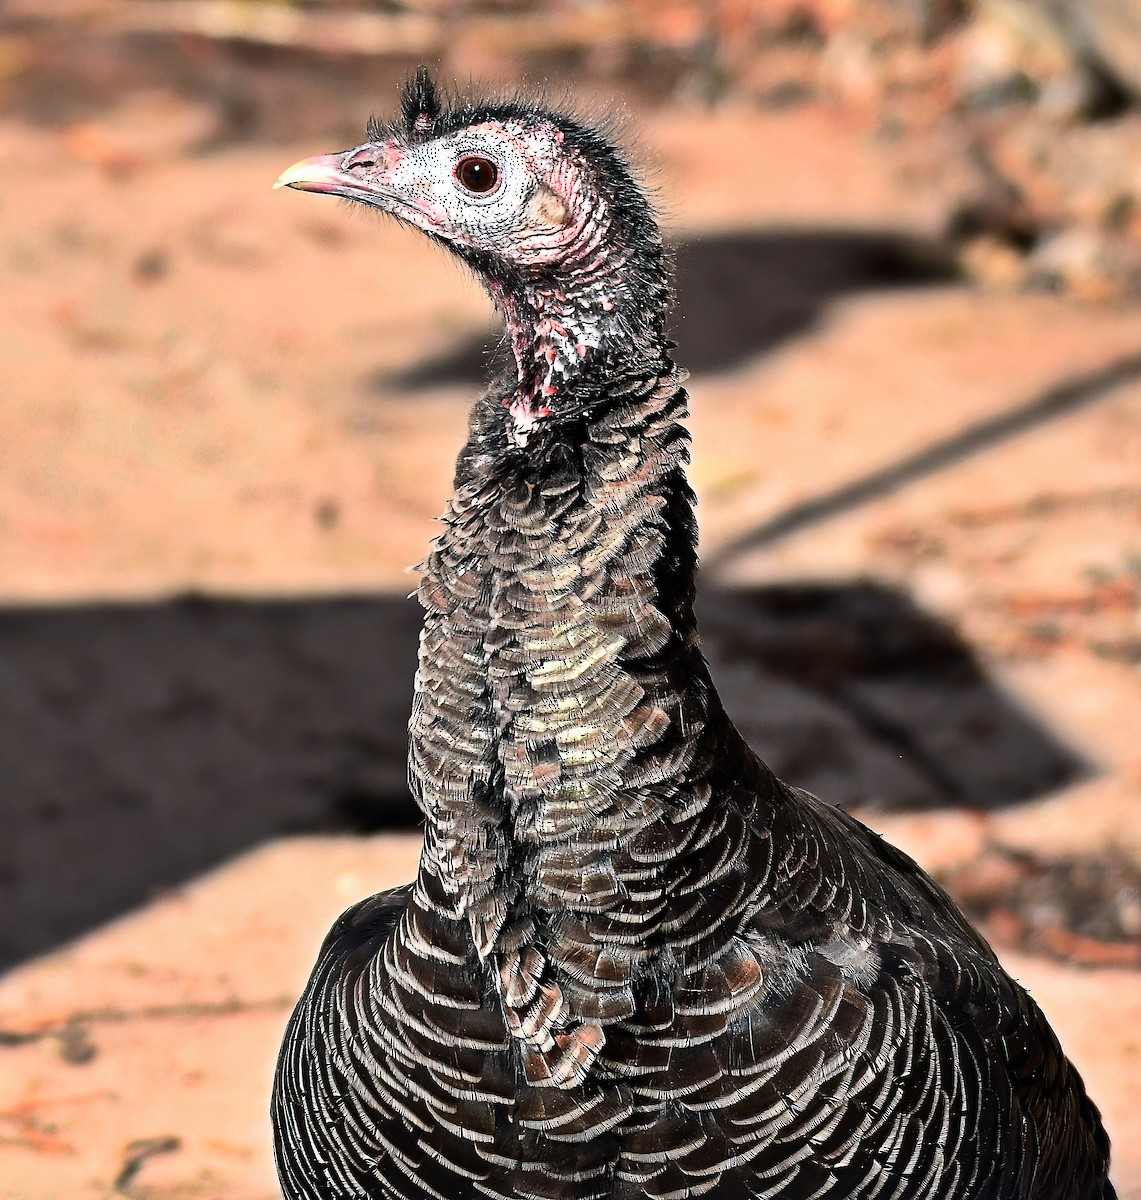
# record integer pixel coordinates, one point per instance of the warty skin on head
(633, 964)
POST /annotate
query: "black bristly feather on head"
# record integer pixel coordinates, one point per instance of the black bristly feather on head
(420, 105)
(634, 965)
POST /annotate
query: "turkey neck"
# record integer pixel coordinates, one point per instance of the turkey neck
(564, 723)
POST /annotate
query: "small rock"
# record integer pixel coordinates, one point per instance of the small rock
(76, 1045)
(327, 513)
(1076, 258)
(150, 266)
(994, 262)
(136, 1154)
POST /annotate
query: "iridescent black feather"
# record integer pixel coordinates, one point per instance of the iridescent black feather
(634, 965)
(420, 105)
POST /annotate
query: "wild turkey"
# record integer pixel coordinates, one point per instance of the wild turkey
(633, 964)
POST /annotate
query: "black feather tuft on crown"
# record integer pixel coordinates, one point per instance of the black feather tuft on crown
(420, 104)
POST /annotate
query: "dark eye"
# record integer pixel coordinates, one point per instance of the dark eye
(477, 174)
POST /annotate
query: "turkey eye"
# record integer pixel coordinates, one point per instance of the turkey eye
(477, 174)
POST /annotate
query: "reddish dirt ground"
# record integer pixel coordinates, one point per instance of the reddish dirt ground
(919, 507)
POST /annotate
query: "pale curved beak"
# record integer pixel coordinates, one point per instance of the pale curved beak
(322, 173)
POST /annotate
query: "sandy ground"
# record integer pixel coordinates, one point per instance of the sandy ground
(228, 419)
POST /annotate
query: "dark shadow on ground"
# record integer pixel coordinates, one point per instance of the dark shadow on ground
(141, 745)
(740, 294)
(1058, 401)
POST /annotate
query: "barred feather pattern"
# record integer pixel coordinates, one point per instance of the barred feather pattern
(634, 964)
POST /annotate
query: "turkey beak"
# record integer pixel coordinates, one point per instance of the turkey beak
(339, 175)
(320, 174)
(324, 173)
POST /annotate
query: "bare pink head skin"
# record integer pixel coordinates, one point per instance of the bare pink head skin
(544, 211)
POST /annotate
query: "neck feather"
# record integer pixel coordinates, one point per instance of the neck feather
(565, 733)
(601, 310)
(566, 739)
(560, 685)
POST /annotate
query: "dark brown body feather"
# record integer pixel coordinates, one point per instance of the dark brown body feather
(634, 965)
(786, 1006)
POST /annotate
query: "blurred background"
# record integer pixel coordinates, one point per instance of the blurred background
(907, 239)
